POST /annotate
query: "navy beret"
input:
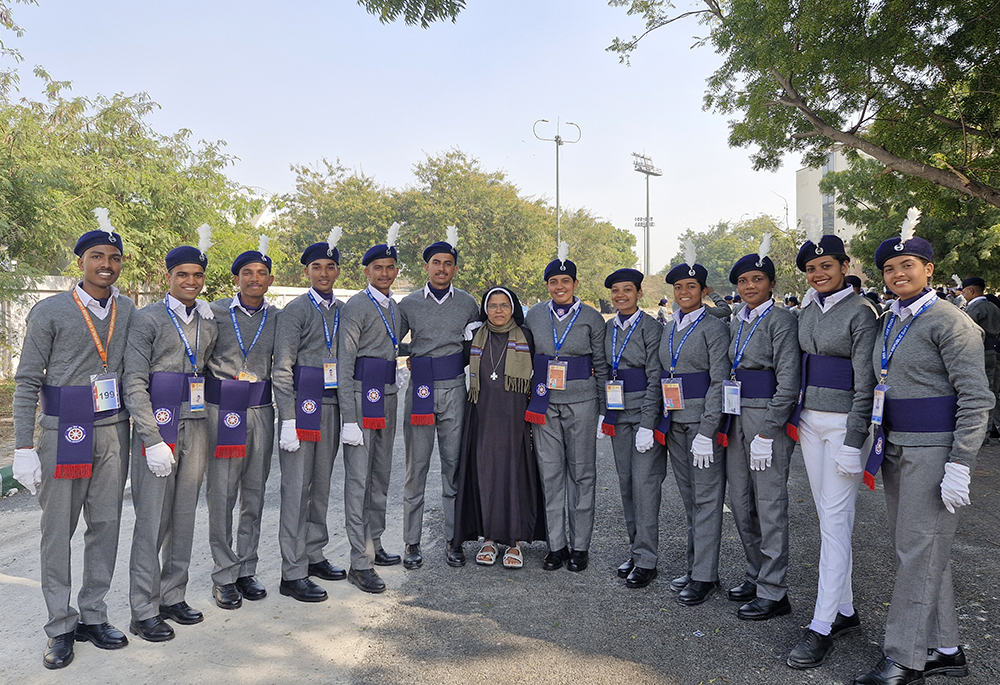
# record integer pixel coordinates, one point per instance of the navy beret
(382, 251)
(682, 271)
(439, 248)
(624, 276)
(319, 251)
(97, 237)
(853, 280)
(751, 262)
(829, 245)
(974, 282)
(185, 254)
(250, 257)
(894, 247)
(558, 268)
(663, 301)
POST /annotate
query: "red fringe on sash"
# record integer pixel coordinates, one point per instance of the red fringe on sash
(306, 435)
(534, 417)
(660, 437)
(172, 447)
(869, 480)
(73, 471)
(722, 439)
(607, 430)
(230, 451)
(373, 423)
(793, 431)
(420, 420)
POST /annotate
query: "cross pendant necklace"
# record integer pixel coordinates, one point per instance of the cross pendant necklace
(496, 364)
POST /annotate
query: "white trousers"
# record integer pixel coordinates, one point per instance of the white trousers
(821, 435)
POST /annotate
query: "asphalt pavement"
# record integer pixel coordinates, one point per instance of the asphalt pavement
(488, 624)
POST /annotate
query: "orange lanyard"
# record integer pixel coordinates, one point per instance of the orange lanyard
(101, 349)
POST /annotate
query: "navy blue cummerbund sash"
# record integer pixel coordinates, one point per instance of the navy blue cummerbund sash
(633, 380)
(308, 382)
(168, 390)
(234, 398)
(920, 415)
(374, 373)
(695, 386)
(424, 371)
(756, 384)
(577, 369)
(51, 400)
(820, 371)
(260, 392)
(73, 405)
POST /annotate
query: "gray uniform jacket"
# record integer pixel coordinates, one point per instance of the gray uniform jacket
(227, 358)
(704, 350)
(987, 316)
(300, 341)
(436, 328)
(642, 352)
(363, 334)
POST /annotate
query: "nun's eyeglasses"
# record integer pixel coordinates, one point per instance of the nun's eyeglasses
(502, 306)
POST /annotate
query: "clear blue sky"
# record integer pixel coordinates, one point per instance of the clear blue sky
(296, 81)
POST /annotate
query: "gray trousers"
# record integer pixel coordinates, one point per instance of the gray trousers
(100, 499)
(164, 521)
(759, 501)
(922, 613)
(305, 497)
(640, 477)
(449, 408)
(703, 492)
(366, 486)
(228, 479)
(566, 450)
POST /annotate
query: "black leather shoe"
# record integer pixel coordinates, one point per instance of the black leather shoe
(383, 558)
(103, 635)
(412, 558)
(811, 651)
(678, 584)
(324, 570)
(227, 596)
(367, 580)
(578, 560)
(251, 588)
(763, 609)
(455, 556)
(696, 592)
(640, 577)
(890, 673)
(59, 651)
(303, 589)
(952, 665)
(743, 592)
(152, 629)
(555, 559)
(182, 613)
(845, 625)
(626, 569)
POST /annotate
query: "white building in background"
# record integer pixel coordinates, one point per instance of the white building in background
(813, 206)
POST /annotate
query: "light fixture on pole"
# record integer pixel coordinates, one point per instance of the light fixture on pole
(644, 165)
(559, 141)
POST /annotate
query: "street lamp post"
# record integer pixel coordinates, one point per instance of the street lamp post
(558, 140)
(644, 165)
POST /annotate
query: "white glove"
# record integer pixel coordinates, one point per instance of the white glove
(27, 468)
(351, 434)
(703, 451)
(471, 329)
(849, 461)
(402, 376)
(643, 440)
(760, 453)
(159, 458)
(955, 486)
(600, 433)
(288, 440)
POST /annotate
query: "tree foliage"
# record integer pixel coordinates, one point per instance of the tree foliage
(414, 12)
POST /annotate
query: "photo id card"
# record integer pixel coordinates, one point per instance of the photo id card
(557, 375)
(245, 375)
(731, 397)
(329, 374)
(673, 394)
(106, 396)
(614, 395)
(878, 406)
(197, 393)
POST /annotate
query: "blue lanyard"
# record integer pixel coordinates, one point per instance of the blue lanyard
(558, 342)
(326, 329)
(616, 359)
(388, 328)
(740, 350)
(239, 335)
(674, 356)
(192, 354)
(887, 353)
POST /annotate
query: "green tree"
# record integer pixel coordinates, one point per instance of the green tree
(597, 248)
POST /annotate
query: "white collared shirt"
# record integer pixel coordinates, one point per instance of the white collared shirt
(319, 299)
(566, 312)
(682, 320)
(93, 304)
(181, 309)
(627, 323)
(975, 299)
(237, 302)
(428, 293)
(746, 314)
(379, 297)
(828, 301)
(906, 312)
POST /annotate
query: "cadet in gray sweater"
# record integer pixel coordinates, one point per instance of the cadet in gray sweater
(632, 399)
(169, 343)
(369, 344)
(436, 318)
(932, 403)
(836, 334)
(73, 341)
(765, 365)
(565, 405)
(306, 377)
(987, 316)
(693, 353)
(240, 427)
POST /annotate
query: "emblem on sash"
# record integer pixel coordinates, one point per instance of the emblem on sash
(162, 416)
(423, 392)
(309, 407)
(232, 420)
(540, 390)
(75, 434)
(374, 395)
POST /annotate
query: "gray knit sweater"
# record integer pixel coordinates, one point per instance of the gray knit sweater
(642, 352)
(300, 341)
(227, 359)
(363, 334)
(704, 350)
(59, 351)
(436, 328)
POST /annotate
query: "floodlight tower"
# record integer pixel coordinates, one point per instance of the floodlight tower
(644, 165)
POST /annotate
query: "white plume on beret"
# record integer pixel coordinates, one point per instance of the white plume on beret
(563, 253)
(204, 238)
(333, 239)
(452, 236)
(390, 239)
(958, 281)
(689, 252)
(765, 247)
(103, 223)
(909, 224)
(263, 244)
(814, 229)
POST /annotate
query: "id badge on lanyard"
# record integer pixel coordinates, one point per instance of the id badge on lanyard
(673, 394)
(614, 395)
(196, 387)
(245, 375)
(731, 397)
(106, 395)
(557, 375)
(878, 406)
(329, 374)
